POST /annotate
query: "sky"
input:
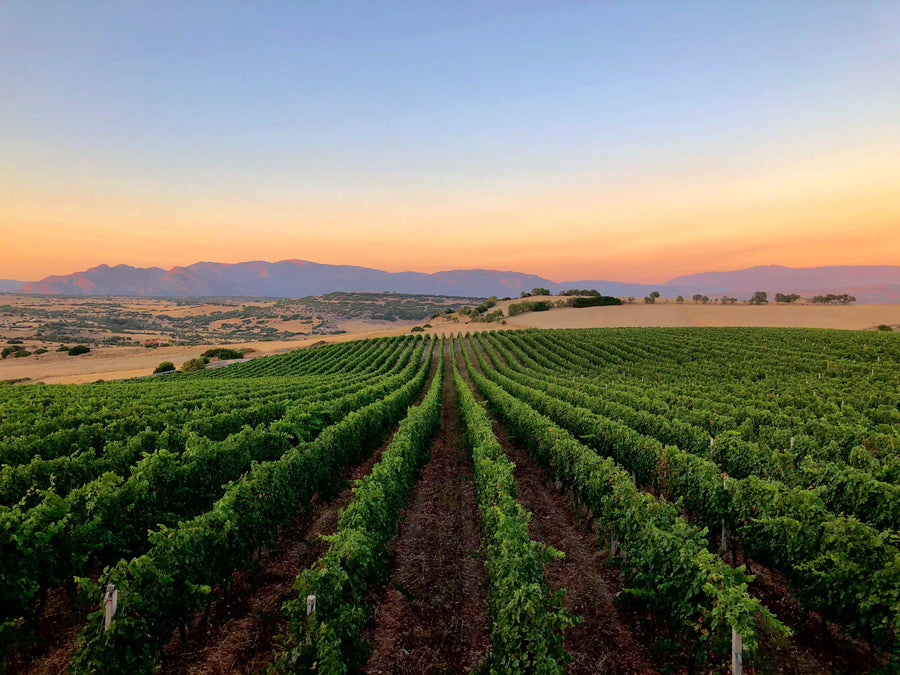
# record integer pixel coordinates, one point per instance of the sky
(634, 141)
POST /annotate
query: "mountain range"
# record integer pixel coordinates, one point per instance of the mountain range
(298, 278)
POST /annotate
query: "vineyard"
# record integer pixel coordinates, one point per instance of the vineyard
(530, 501)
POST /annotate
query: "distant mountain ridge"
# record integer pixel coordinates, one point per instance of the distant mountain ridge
(298, 278)
(10, 285)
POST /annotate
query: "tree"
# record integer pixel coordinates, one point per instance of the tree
(79, 349)
(651, 299)
(193, 365)
(759, 298)
(786, 298)
(679, 300)
(164, 367)
(540, 291)
(697, 297)
(728, 301)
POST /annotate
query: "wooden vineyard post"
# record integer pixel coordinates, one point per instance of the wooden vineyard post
(110, 604)
(613, 545)
(723, 547)
(737, 653)
(310, 605)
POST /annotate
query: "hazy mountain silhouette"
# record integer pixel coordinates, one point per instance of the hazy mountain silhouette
(10, 285)
(297, 278)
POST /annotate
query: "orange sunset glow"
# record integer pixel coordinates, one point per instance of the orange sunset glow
(576, 172)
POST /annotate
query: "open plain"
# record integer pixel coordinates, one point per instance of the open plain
(120, 362)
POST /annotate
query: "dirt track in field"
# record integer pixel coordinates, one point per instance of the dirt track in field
(432, 615)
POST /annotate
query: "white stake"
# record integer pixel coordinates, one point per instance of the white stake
(310, 604)
(110, 604)
(737, 653)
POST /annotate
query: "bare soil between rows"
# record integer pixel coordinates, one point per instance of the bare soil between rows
(604, 641)
(238, 635)
(431, 617)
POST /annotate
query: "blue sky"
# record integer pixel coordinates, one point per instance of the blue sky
(442, 123)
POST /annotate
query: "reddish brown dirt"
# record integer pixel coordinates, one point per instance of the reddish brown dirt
(812, 650)
(57, 631)
(239, 634)
(432, 615)
(603, 642)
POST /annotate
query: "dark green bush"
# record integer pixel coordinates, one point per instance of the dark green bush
(884, 327)
(222, 354)
(78, 350)
(164, 367)
(595, 301)
(193, 365)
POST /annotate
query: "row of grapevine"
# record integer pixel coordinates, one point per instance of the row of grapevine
(835, 563)
(156, 479)
(527, 620)
(668, 564)
(844, 488)
(162, 589)
(328, 638)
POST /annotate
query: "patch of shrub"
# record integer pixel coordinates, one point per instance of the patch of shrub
(14, 341)
(222, 354)
(16, 351)
(884, 327)
(62, 348)
(528, 306)
(39, 350)
(164, 367)
(596, 301)
(193, 365)
(416, 329)
(77, 350)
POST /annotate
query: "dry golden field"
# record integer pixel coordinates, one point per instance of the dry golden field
(109, 363)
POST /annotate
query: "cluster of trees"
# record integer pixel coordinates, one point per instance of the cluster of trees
(535, 291)
(832, 299)
(222, 354)
(699, 298)
(651, 299)
(482, 308)
(581, 291)
(488, 317)
(786, 298)
(17, 351)
(526, 306)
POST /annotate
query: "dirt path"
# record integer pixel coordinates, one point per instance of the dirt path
(432, 616)
(603, 642)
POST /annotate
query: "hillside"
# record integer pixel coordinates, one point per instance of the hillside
(298, 278)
